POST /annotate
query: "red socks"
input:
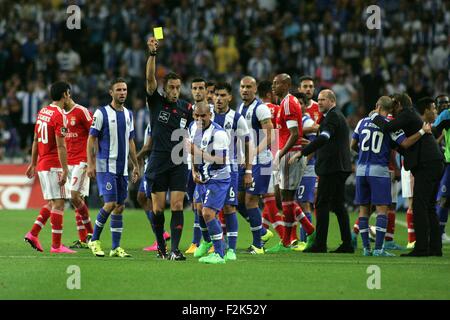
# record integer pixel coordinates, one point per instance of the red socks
(56, 218)
(270, 214)
(300, 216)
(84, 213)
(41, 220)
(390, 230)
(410, 223)
(82, 233)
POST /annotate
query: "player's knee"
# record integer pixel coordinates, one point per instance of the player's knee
(109, 206)
(176, 205)
(76, 199)
(229, 209)
(58, 204)
(141, 199)
(119, 209)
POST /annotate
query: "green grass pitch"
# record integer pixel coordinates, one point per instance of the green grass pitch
(28, 274)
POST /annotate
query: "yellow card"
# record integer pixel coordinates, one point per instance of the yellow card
(158, 33)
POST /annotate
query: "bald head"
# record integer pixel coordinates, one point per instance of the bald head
(281, 85)
(326, 100)
(385, 104)
(247, 89)
(202, 114)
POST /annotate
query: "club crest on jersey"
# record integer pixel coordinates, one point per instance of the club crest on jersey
(248, 116)
(72, 121)
(228, 126)
(183, 122)
(164, 116)
(108, 186)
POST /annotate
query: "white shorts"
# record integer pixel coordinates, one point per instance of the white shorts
(51, 190)
(290, 175)
(407, 183)
(273, 182)
(78, 179)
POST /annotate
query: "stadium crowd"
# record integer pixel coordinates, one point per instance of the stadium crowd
(220, 40)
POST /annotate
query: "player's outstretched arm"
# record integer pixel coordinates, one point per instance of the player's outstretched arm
(411, 140)
(151, 85)
(91, 156)
(62, 154)
(34, 156)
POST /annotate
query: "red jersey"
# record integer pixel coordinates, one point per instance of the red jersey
(290, 110)
(79, 121)
(49, 125)
(313, 111)
(274, 111)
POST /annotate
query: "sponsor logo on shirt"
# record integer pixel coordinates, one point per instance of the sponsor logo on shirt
(183, 122)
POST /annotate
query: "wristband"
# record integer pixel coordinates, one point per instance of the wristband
(153, 53)
(249, 171)
(422, 132)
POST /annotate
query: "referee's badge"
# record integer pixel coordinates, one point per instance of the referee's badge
(183, 122)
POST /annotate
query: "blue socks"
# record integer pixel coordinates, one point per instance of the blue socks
(443, 217)
(364, 231)
(197, 234)
(232, 229)
(381, 225)
(255, 219)
(215, 231)
(302, 231)
(150, 216)
(116, 225)
(102, 217)
(204, 229)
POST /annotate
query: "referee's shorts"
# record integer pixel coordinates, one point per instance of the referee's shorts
(170, 179)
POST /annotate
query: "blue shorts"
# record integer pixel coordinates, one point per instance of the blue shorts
(212, 194)
(190, 187)
(232, 198)
(261, 174)
(144, 188)
(373, 190)
(444, 186)
(305, 191)
(113, 187)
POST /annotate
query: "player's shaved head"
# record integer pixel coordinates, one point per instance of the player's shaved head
(202, 107)
(385, 103)
(247, 89)
(281, 85)
(249, 79)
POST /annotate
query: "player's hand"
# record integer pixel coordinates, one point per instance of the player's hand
(295, 158)
(91, 171)
(31, 171)
(197, 178)
(152, 45)
(63, 178)
(276, 162)
(304, 142)
(136, 175)
(426, 127)
(248, 180)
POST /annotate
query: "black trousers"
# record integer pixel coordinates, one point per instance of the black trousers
(426, 224)
(331, 197)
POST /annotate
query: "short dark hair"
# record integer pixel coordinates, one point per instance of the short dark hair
(440, 96)
(198, 80)
(223, 86)
(170, 76)
(115, 81)
(423, 104)
(404, 99)
(264, 87)
(210, 83)
(301, 96)
(58, 89)
(306, 77)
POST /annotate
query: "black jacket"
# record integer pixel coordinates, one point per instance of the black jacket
(332, 144)
(424, 150)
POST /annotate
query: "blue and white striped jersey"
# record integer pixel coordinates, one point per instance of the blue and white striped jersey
(236, 128)
(114, 129)
(256, 112)
(213, 140)
(308, 122)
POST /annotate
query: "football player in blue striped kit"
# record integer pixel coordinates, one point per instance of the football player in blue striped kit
(208, 145)
(113, 131)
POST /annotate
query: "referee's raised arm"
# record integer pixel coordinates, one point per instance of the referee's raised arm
(151, 84)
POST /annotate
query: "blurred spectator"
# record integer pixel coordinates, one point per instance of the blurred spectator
(259, 66)
(68, 59)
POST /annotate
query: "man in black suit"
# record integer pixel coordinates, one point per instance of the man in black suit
(425, 160)
(333, 166)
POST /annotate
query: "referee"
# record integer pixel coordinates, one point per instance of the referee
(166, 171)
